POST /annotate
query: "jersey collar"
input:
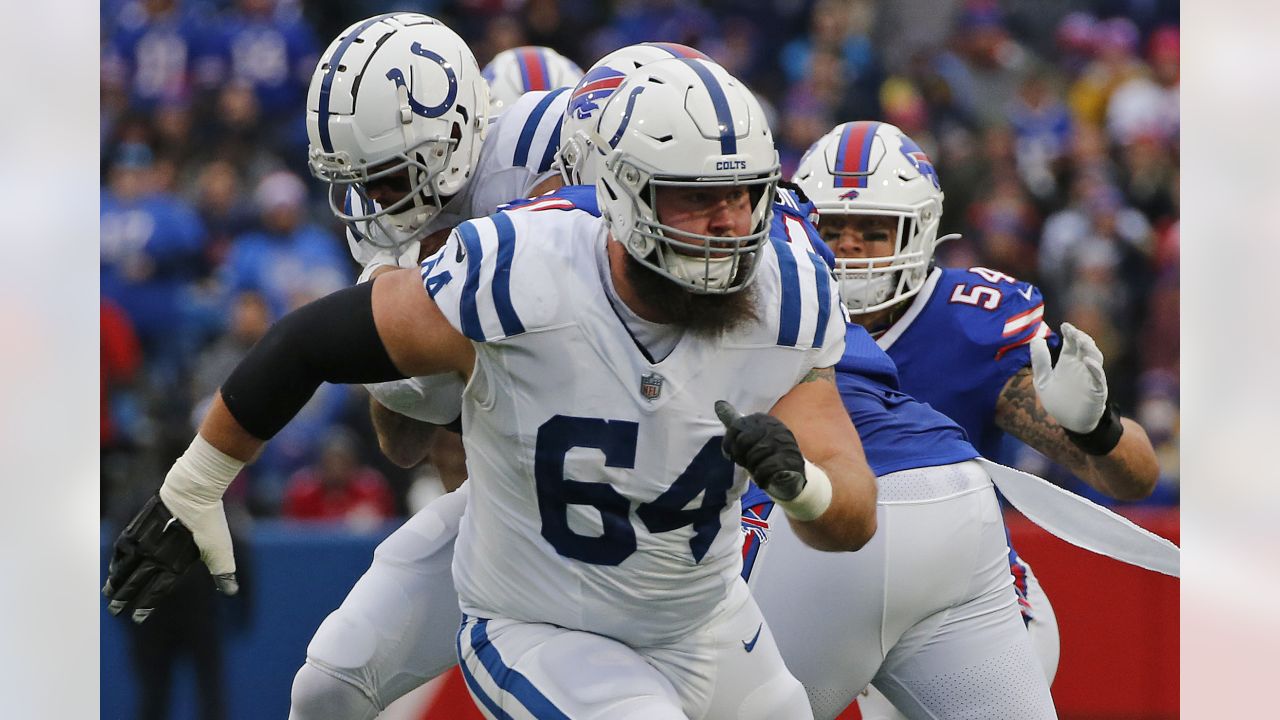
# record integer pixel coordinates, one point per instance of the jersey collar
(918, 304)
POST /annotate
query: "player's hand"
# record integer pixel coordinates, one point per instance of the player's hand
(372, 257)
(763, 445)
(154, 551)
(1074, 391)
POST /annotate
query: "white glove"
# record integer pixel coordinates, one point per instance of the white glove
(192, 491)
(372, 257)
(1075, 391)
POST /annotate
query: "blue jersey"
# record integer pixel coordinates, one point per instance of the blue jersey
(963, 337)
(898, 432)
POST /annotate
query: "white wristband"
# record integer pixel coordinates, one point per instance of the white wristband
(814, 499)
(200, 476)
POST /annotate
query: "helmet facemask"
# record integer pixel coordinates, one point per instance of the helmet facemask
(875, 283)
(404, 220)
(703, 264)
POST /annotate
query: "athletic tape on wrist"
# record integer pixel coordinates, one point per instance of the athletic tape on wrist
(814, 499)
(201, 475)
(1104, 437)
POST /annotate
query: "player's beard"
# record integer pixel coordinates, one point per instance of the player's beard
(703, 314)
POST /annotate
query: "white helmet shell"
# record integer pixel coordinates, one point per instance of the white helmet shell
(873, 168)
(590, 94)
(684, 122)
(512, 73)
(391, 94)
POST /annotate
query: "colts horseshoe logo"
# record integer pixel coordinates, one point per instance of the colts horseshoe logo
(428, 111)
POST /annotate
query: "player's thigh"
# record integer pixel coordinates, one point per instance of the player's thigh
(395, 630)
(973, 657)
(748, 678)
(534, 670)
(825, 610)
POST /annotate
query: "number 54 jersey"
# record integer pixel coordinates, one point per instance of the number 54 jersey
(600, 499)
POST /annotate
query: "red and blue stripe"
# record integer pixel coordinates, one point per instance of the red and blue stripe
(853, 153)
(533, 69)
(680, 51)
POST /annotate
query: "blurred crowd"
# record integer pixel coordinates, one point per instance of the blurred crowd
(1053, 125)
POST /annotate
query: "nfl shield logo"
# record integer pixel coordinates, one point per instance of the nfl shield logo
(651, 385)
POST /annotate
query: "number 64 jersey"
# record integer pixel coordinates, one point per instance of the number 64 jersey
(600, 499)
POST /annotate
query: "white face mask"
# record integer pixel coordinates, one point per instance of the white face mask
(864, 292)
(718, 272)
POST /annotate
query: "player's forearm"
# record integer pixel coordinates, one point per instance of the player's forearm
(1129, 471)
(405, 441)
(850, 520)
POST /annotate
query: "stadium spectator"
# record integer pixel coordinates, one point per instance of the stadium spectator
(339, 487)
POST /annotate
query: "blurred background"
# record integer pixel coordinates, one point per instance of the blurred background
(1054, 127)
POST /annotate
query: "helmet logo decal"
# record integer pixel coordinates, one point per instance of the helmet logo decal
(428, 111)
(849, 195)
(919, 160)
(596, 85)
(853, 154)
(728, 139)
(626, 116)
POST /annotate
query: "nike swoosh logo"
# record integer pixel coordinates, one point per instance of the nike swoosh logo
(1025, 292)
(461, 253)
(165, 529)
(749, 646)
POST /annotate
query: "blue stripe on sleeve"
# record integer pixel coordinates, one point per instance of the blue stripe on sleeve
(789, 317)
(509, 679)
(471, 682)
(511, 324)
(475, 253)
(531, 127)
(823, 276)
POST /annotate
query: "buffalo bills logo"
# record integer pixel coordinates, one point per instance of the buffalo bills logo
(595, 87)
(850, 195)
(919, 160)
(396, 75)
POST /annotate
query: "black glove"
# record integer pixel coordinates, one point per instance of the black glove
(764, 446)
(154, 550)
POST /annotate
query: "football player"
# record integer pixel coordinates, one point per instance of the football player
(528, 68)
(970, 342)
(595, 351)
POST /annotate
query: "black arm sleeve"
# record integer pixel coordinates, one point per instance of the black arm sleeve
(330, 340)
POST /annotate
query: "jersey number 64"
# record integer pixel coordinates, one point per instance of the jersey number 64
(708, 473)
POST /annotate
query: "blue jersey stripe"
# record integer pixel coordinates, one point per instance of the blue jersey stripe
(549, 154)
(511, 324)
(531, 127)
(471, 682)
(510, 679)
(823, 275)
(789, 317)
(475, 253)
(728, 140)
(326, 85)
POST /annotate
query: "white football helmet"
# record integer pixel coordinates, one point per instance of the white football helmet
(682, 123)
(395, 97)
(873, 168)
(512, 73)
(590, 94)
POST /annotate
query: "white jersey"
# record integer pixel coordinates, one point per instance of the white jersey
(584, 455)
(517, 155)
